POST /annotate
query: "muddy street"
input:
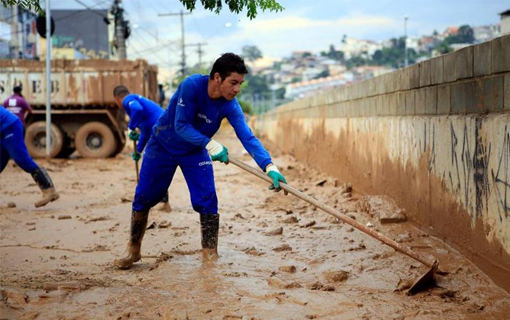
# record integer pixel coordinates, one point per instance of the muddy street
(280, 258)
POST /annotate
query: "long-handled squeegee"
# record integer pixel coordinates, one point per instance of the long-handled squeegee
(420, 284)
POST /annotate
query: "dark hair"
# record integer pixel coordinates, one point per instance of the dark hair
(17, 89)
(227, 64)
(120, 91)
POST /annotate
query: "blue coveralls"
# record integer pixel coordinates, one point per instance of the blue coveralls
(179, 139)
(143, 114)
(12, 143)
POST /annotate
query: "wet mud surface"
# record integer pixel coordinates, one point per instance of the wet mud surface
(280, 258)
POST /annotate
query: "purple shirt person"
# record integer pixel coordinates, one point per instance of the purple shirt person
(17, 105)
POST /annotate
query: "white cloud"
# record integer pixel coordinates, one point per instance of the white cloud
(296, 23)
(278, 37)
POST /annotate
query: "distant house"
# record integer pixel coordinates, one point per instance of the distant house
(354, 47)
(450, 31)
(505, 22)
(486, 33)
(413, 43)
(428, 43)
(300, 54)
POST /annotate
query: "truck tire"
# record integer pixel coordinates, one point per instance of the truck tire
(35, 139)
(95, 140)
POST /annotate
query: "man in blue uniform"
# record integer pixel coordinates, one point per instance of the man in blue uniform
(12, 145)
(182, 138)
(143, 114)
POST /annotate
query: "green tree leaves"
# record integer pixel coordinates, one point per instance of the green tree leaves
(235, 6)
(25, 4)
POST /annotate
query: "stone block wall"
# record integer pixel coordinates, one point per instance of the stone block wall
(435, 136)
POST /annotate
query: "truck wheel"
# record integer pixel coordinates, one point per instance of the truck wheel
(35, 139)
(95, 140)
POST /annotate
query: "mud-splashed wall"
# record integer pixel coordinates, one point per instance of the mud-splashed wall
(434, 136)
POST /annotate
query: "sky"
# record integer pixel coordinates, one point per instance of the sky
(311, 25)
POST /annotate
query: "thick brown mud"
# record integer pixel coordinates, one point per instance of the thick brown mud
(280, 258)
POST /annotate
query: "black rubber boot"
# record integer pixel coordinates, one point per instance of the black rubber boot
(43, 181)
(210, 224)
(133, 251)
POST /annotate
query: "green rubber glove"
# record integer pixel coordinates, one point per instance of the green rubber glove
(133, 135)
(217, 151)
(276, 176)
(136, 156)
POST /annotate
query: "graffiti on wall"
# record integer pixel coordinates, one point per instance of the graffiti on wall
(462, 162)
(470, 176)
(480, 169)
(501, 178)
(432, 158)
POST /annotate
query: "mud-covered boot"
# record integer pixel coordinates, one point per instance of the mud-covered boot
(43, 180)
(210, 224)
(138, 226)
(164, 204)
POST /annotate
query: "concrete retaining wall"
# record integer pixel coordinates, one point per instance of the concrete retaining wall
(434, 136)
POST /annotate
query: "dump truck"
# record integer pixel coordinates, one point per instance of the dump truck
(84, 116)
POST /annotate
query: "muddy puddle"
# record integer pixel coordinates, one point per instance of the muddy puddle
(280, 257)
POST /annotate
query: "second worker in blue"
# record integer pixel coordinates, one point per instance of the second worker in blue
(143, 114)
(182, 138)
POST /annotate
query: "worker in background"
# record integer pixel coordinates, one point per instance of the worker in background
(12, 145)
(17, 104)
(182, 138)
(143, 114)
(161, 95)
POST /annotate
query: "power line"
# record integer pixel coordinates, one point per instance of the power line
(159, 47)
(142, 39)
(183, 44)
(198, 27)
(140, 54)
(153, 50)
(79, 11)
(199, 51)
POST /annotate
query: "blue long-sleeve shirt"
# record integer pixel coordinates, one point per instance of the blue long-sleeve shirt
(143, 114)
(6, 118)
(192, 118)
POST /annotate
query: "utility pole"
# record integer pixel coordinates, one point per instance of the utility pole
(120, 40)
(48, 79)
(199, 51)
(183, 44)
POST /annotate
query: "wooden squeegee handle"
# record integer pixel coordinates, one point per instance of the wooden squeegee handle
(334, 213)
(136, 163)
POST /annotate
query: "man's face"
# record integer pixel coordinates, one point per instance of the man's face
(231, 86)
